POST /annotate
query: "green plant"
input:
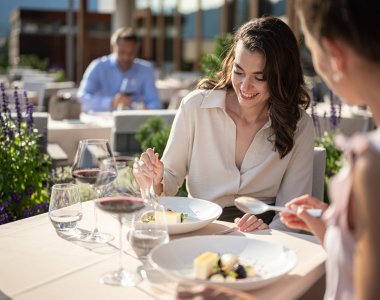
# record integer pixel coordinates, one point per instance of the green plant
(60, 74)
(334, 160)
(25, 167)
(211, 63)
(155, 133)
(62, 174)
(325, 139)
(33, 61)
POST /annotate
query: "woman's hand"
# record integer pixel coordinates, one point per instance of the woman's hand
(250, 222)
(143, 168)
(302, 220)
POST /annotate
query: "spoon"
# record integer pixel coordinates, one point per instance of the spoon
(256, 207)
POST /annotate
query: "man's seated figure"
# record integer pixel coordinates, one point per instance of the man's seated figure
(119, 80)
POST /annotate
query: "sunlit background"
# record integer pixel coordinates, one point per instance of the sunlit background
(174, 33)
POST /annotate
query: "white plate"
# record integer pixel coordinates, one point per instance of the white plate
(271, 261)
(200, 212)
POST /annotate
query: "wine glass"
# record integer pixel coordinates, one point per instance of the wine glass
(129, 88)
(65, 208)
(122, 199)
(91, 153)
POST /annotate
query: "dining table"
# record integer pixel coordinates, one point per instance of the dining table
(36, 262)
(68, 133)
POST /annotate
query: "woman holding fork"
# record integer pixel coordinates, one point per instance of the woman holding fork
(244, 132)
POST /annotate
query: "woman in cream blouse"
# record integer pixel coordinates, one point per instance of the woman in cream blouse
(245, 132)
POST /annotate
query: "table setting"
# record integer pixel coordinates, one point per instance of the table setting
(126, 243)
(37, 262)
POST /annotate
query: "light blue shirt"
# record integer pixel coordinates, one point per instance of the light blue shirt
(103, 80)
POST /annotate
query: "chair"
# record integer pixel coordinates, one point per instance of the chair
(56, 153)
(319, 167)
(126, 124)
(53, 88)
(38, 86)
(64, 105)
(40, 120)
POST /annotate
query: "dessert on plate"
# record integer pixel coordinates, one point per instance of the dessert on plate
(221, 268)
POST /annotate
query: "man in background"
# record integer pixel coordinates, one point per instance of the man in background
(119, 80)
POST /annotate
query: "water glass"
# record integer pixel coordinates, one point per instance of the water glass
(65, 208)
(148, 230)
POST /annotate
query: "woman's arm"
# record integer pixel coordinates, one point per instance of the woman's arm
(302, 220)
(176, 155)
(365, 219)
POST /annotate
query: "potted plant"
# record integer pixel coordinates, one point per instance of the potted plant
(24, 163)
(211, 63)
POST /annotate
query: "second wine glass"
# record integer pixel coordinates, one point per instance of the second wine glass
(87, 167)
(122, 199)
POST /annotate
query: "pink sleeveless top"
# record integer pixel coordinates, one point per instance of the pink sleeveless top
(339, 241)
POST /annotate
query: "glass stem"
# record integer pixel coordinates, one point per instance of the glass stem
(95, 230)
(121, 244)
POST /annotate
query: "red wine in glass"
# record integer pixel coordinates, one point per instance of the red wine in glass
(91, 176)
(128, 87)
(129, 94)
(94, 164)
(120, 204)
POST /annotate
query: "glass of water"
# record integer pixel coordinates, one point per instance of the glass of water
(65, 208)
(148, 230)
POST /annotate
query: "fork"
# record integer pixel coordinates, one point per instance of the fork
(151, 193)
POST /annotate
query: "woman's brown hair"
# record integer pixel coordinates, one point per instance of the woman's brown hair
(283, 73)
(352, 21)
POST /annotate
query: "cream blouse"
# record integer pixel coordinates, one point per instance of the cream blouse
(201, 148)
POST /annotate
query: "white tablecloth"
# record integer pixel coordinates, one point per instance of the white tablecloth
(38, 264)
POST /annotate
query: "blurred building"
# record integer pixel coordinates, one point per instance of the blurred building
(174, 33)
(44, 34)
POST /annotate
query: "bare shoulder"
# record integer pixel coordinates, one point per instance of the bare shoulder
(367, 169)
(367, 187)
